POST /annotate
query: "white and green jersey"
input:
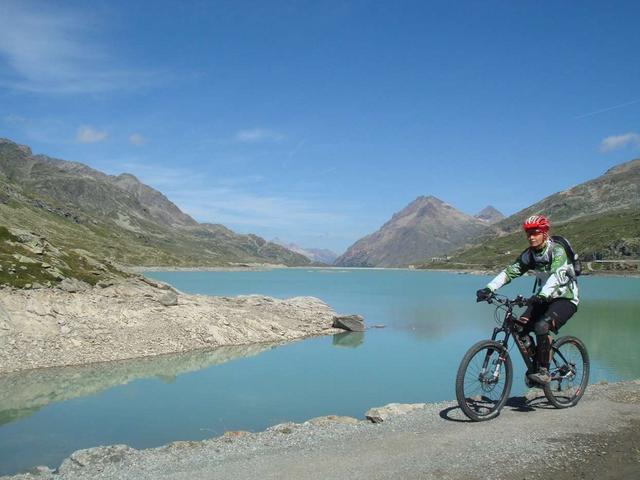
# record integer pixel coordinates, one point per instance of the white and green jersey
(555, 274)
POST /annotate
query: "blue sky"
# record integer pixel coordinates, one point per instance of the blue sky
(316, 121)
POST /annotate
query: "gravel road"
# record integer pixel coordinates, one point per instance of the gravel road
(599, 438)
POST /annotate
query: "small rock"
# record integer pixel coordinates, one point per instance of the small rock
(41, 471)
(353, 323)
(65, 330)
(380, 414)
(93, 457)
(71, 285)
(169, 299)
(285, 428)
(236, 433)
(39, 308)
(24, 259)
(330, 419)
(183, 445)
(156, 283)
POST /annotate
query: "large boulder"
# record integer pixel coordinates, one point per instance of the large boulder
(353, 323)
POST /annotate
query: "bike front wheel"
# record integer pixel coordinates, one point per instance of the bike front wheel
(569, 371)
(484, 380)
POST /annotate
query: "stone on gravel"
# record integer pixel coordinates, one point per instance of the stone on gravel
(169, 299)
(333, 419)
(157, 284)
(95, 457)
(42, 471)
(285, 428)
(353, 323)
(71, 285)
(381, 414)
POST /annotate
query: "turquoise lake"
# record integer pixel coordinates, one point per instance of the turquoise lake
(430, 318)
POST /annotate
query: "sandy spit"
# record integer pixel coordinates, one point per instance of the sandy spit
(142, 318)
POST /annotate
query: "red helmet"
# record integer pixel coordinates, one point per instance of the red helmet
(539, 222)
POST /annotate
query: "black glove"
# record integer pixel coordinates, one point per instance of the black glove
(537, 300)
(483, 294)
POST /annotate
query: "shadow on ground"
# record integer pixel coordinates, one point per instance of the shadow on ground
(521, 404)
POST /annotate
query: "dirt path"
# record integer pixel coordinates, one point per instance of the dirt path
(600, 438)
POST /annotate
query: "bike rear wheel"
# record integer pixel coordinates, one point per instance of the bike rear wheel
(569, 371)
(484, 380)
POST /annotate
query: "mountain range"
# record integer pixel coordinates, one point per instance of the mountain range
(99, 220)
(600, 216)
(117, 217)
(318, 255)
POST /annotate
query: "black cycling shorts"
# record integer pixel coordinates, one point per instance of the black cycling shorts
(555, 313)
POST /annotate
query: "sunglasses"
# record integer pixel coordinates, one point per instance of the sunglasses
(533, 231)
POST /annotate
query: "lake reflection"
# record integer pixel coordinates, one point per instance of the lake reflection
(22, 394)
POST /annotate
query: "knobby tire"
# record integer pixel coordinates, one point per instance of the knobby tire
(569, 356)
(482, 400)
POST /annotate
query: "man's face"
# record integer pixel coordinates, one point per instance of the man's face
(536, 237)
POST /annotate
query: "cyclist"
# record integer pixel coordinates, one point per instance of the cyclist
(556, 290)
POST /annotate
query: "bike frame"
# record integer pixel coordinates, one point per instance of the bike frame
(510, 328)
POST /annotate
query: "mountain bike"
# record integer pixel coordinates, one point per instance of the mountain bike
(485, 374)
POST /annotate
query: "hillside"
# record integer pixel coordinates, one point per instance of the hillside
(30, 261)
(617, 189)
(605, 236)
(116, 218)
(601, 218)
(427, 227)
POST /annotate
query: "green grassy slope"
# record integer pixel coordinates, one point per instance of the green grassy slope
(606, 236)
(27, 260)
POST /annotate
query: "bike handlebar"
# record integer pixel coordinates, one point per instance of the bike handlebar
(519, 301)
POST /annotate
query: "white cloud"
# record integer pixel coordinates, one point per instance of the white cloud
(13, 119)
(235, 207)
(257, 135)
(86, 134)
(46, 49)
(616, 142)
(137, 139)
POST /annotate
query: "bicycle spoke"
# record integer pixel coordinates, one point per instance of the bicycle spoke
(568, 374)
(482, 392)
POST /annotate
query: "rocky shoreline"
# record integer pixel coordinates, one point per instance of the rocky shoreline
(78, 324)
(596, 439)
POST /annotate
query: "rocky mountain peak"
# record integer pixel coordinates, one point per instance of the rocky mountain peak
(630, 166)
(425, 228)
(23, 148)
(420, 207)
(125, 179)
(489, 214)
